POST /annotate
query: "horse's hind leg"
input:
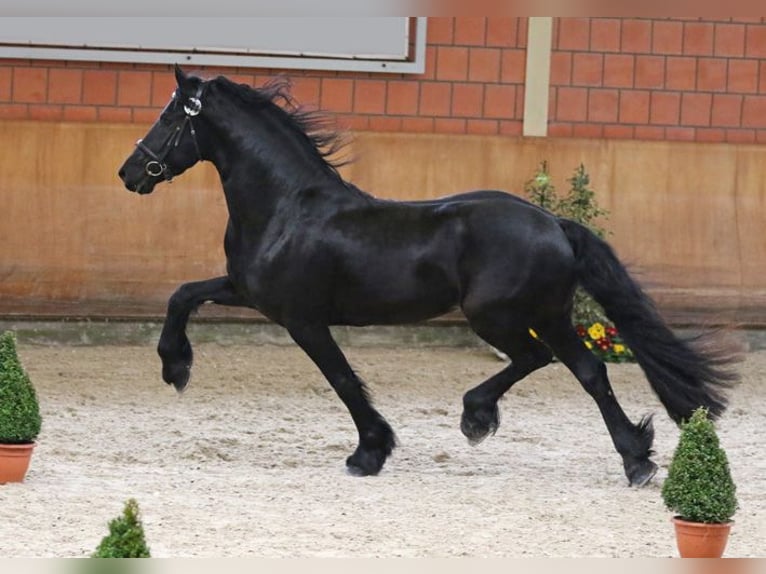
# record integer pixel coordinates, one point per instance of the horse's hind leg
(480, 412)
(174, 347)
(376, 439)
(633, 442)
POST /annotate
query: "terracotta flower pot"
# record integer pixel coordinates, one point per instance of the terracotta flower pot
(699, 540)
(14, 461)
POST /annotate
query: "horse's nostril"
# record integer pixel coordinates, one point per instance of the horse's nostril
(121, 173)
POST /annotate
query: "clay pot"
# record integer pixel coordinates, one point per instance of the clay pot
(700, 540)
(14, 461)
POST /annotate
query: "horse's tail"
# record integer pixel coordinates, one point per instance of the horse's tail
(683, 373)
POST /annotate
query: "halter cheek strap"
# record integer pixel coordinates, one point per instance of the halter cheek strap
(157, 165)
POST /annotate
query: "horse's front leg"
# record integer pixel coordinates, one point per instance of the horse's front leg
(174, 347)
(376, 439)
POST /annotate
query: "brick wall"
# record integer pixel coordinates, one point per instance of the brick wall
(685, 79)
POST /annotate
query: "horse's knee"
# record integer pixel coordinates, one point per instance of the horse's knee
(594, 380)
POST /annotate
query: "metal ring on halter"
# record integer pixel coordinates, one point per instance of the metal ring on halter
(154, 168)
(193, 107)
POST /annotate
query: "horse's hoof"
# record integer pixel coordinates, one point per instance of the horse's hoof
(479, 425)
(178, 376)
(365, 462)
(641, 472)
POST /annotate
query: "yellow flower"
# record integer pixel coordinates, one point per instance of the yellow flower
(587, 344)
(619, 349)
(597, 331)
(532, 332)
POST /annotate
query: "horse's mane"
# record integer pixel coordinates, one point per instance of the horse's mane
(316, 127)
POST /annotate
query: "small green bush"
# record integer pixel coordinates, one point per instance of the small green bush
(20, 419)
(126, 536)
(581, 205)
(699, 487)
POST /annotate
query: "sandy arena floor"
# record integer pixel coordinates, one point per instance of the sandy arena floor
(250, 460)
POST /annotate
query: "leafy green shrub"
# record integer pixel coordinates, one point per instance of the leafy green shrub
(20, 419)
(699, 486)
(580, 205)
(126, 537)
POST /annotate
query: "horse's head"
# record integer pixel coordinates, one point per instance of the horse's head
(170, 147)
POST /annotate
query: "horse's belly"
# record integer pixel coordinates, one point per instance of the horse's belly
(396, 294)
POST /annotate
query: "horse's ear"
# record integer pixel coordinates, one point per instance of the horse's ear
(181, 78)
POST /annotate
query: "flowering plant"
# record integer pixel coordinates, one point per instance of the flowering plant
(605, 342)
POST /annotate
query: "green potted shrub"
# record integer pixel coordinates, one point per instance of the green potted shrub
(20, 419)
(126, 537)
(700, 490)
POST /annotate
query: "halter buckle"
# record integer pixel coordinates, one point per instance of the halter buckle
(193, 107)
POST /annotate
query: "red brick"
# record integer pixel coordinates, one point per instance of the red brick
(435, 98)
(440, 30)
(484, 65)
(470, 31)
(755, 41)
(306, 91)
(513, 66)
(385, 124)
(30, 85)
(665, 108)
(501, 32)
(485, 127)
(711, 135)
(370, 97)
(163, 86)
(754, 112)
(619, 132)
(114, 114)
(618, 70)
(698, 38)
(511, 128)
(145, 115)
(134, 88)
(727, 110)
(64, 86)
(499, 102)
(5, 83)
(711, 74)
(680, 134)
(636, 36)
(402, 98)
(695, 109)
(743, 76)
(573, 34)
(99, 87)
(452, 63)
(587, 130)
(521, 39)
(650, 72)
(572, 104)
(80, 114)
(45, 112)
(418, 125)
(587, 69)
(430, 70)
(337, 95)
(729, 40)
(680, 73)
(353, 123)
(649, 133)
(557, 130)
(561, 68)
(13, 111)
(634, 107)
(740, 136)
(449, 126)
(605, 35)
(667, 37)
(603, 106)
(467, 100)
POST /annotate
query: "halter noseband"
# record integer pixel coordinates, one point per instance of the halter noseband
(157, 166)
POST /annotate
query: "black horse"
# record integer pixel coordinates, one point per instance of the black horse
(309, 250)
